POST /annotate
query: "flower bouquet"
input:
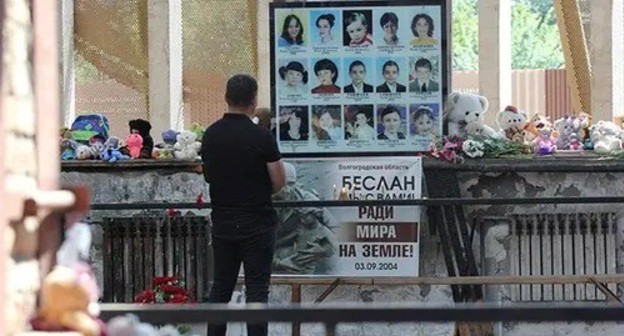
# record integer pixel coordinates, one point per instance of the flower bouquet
(166, 290)
(456, 149)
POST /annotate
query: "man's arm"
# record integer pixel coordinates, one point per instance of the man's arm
(277, 175)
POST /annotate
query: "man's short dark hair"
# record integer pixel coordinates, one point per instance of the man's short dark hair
(423, 63)
(241, 90)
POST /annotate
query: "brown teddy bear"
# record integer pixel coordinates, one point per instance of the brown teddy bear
(67, 304)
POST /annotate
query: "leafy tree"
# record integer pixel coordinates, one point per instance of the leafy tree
(465, 35)
(535, 45)
(536, 41)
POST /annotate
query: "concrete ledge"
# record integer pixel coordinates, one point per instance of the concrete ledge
(573, 162)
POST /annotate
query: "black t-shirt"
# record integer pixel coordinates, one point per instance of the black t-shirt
(235, 152)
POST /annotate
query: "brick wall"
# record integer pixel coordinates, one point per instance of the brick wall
(20, 161)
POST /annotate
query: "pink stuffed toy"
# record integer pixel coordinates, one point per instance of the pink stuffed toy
(134, 143)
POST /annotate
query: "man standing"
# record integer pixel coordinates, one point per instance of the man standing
(243, 166)
(423, 82)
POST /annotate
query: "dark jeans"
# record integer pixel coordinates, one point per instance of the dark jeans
(250, 240)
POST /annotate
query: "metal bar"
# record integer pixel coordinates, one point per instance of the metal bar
(396, 202)
(437, 215)
(373, 312)
(295, 297)
(327, 291)
(607, 292)
(450, 280)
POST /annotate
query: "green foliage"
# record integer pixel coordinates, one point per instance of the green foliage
(465, 35)
(534, 47)
(536, 41)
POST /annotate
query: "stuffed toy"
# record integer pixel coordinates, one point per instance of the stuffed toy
(534, 125)
(143, 127)
(545, 143)
(464, 108)
(567, 127)
(478, 129)
(129, 325)
(606, 136)
(68, 301)
(112, 152)
(83, 152)
(585, 124)
(187, 147)
(164, 150)
(69, 149)
(198, 130)
(575, 142)
(134, 145)
(96, 146)
(512, 123)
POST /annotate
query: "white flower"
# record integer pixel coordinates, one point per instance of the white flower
(473, 149)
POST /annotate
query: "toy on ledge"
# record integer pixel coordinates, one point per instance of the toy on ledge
(143, 127)
(568, 129)
(112, 151)
(134, 145)
(512, 123)
(545, 143)
(164, 150)
(464, 115)
(187, 147)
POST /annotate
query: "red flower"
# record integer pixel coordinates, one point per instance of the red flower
(163, 280)
(178, 298)
(147, 296)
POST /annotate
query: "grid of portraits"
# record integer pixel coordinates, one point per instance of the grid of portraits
(358, 78)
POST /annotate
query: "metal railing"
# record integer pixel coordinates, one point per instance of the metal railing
(332, 315)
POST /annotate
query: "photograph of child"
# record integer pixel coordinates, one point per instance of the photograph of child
(292, 32)
(326, 123)
(425, 120)
(358, 70)
(359, 122)
(357, 28)
(293, 123)
(422, 74)
(326, 73)
(293, 78)
(324, 26)
(391, 123)
(423, 30)
(391, 74)
(389, 23)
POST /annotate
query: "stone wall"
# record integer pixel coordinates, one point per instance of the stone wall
(477, 179)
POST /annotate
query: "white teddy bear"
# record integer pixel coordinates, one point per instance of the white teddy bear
(606, 136)
(186, 147)
(512, 123)
(464, 115)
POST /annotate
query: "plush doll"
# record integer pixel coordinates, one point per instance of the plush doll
(111, 152)
(187, 147)
(545, 143)
(67, 302)
(575, 142)
(606, 136)
(164, 150)
(512, 123)
(134, 144)
(534, 125)
(83, 152)
(143, 127)
(586, 120)
(567, 127)
(96, 146)
(478, 129)
(69, 149)
(198, 130)
(464, 108)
